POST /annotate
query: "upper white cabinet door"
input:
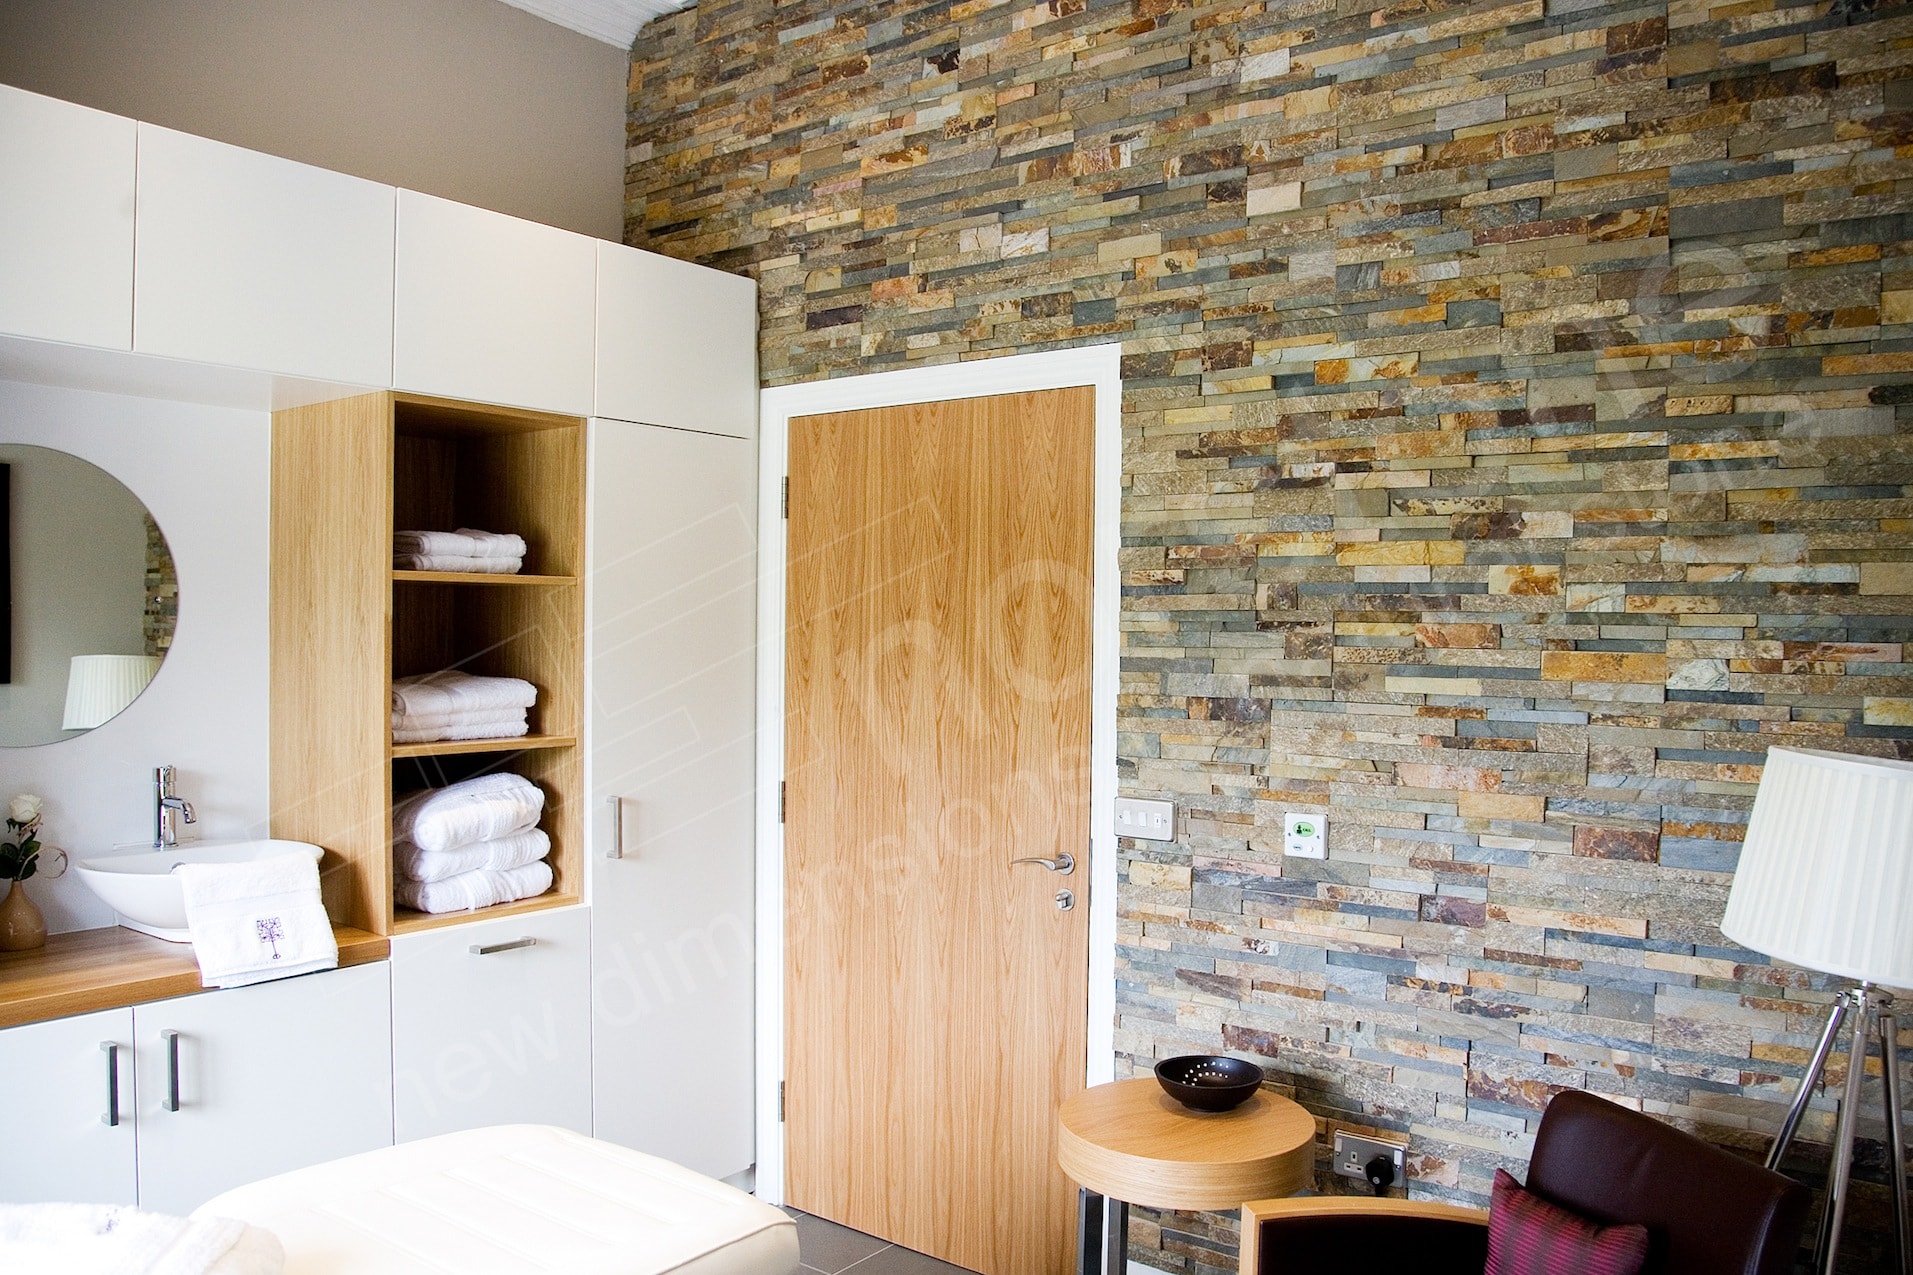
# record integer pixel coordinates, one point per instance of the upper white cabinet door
(492, 309)
(254, 261)
(270, 1078)
(66, 221)
(491, 1024)
(673, 579)
(677, 343)
(67, 1108)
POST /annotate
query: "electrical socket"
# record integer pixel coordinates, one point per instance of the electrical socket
(1353, 1152)
(1150, 820)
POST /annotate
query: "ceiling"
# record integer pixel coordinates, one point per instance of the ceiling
(615, 22)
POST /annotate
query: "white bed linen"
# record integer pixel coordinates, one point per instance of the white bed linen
(512, 1200)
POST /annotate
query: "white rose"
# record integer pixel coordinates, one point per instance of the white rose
(25, 808)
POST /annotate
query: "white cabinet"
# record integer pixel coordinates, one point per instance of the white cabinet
(673, 543)
(269, 1078)
(66, 1104)
(491, 309)
(66, 221)
(491, 1024)
(677, 343)
(254, 261)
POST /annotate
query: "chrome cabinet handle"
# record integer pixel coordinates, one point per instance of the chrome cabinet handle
(112, 1117)
(172, 1070)
(617, 828)
(1064, 863)
(486, 949)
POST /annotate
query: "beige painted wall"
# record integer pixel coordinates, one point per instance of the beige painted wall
(468, 99)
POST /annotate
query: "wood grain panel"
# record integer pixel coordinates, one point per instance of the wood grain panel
(938, 701)
(331, 563)
(85, 970)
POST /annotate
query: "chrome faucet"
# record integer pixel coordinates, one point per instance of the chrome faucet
(168, 811)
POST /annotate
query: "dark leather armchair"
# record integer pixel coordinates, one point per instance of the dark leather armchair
(1707, 1212)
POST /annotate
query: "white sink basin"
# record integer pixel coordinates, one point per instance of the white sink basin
(140, 887)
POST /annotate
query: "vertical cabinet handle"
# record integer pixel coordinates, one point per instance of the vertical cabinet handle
(172, 1069)
(112, 1117)
(617, 828)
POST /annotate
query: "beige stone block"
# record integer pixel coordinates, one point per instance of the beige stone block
(1887, 710)
(1896, 307)
(1281, 197)
(1162, 876)
(1524, 579)
(1501, 805)
(1891, 578)
(1134, 246)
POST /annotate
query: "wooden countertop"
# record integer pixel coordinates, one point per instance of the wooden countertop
(85, 970)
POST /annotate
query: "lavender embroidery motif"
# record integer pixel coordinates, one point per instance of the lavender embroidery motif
(270, 931)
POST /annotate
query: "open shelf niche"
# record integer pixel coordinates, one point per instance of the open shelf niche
(345, 474)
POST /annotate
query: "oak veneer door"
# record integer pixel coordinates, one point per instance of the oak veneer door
(938, 726)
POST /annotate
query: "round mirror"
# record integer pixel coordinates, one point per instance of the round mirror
(88, 596)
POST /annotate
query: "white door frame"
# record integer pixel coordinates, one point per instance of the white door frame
(1097, 366)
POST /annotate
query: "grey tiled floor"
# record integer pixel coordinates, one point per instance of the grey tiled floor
(829, 1249)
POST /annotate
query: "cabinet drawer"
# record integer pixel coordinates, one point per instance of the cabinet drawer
(66, 221)
(62, 1087)
(254, 261)
(677, 343)
(491, 309)
(492, 1024)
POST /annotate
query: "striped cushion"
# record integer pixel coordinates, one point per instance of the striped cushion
(1529, 1236)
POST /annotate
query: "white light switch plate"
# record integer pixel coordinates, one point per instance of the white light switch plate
(1304, 836)
(1150, 820)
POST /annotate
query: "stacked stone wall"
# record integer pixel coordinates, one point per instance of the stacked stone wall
(1516, 445)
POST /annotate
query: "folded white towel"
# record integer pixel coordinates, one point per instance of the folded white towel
(481, 809)
(477, 730)
(448, 562)
(466, 542)
(112, 1239)
(455, 692)
(445, 562)
(483, 717)
(256, 921)
(514, 851)
(469, 890)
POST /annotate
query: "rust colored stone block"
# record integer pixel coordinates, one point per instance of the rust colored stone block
(1617, 843)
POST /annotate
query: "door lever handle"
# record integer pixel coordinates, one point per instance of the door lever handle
(1064, 863)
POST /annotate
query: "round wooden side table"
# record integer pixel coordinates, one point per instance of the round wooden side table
(1130, 1143)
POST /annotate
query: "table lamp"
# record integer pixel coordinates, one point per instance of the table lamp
(99, 686)
(1826, 881)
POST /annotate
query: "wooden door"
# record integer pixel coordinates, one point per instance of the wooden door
(937, 727)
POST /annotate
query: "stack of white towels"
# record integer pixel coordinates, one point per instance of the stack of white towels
(454, 705)
(470, 845)
(467, 549)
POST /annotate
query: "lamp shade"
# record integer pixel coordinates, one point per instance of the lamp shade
(1826, 874)
(99, 686)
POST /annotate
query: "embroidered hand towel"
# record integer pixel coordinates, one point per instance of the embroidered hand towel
(256, 921)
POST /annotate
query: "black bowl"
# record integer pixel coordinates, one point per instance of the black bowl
(1204, 1083)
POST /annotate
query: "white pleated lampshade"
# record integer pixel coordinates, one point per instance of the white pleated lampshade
(99, 686)
(1826, 875)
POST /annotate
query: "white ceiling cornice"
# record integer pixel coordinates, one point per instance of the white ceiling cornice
(616, 22)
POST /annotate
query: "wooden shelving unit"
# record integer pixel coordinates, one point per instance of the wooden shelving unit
(345, 623)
